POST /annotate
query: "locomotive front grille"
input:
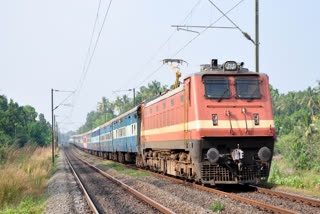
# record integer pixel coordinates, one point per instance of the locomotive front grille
(215, 172)
(219, 174)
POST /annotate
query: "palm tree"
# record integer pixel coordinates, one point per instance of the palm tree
(102, 107)
(310, 100)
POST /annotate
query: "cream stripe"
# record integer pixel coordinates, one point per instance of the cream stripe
(207, 124)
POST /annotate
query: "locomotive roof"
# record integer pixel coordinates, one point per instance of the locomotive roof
(219, 71)
(164, 96)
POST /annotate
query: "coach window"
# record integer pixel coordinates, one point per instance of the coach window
(150, 110)
(247, 88)
(157, 108)
(216, 88)
(181, 98)
(172, 102)
(164, 105)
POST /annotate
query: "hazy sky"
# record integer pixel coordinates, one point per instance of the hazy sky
(43, 45)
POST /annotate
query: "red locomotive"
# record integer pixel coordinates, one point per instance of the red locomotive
(217, 128)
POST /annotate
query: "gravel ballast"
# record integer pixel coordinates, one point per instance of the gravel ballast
(64, 193)
(178, 197)
(108, 196)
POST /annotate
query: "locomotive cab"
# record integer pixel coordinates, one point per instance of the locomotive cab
(231, 128)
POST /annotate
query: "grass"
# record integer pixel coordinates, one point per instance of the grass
(34, 204)
(282, 177)
(217, 206)
(125, 170)
(23, 179)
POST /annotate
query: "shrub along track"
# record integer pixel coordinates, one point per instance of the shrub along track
(265, 199)
(111, 195)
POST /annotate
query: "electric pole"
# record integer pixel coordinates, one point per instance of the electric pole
(52, 124)
(257, 36)
(53, 117)
(134, 97)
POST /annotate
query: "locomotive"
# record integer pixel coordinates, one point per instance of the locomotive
(215, 128)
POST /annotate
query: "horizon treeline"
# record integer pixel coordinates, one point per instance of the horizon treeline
(22, 124)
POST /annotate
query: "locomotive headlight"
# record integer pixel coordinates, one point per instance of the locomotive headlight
(230, 66)
(215, 119)
(256, 119)
(264, 154)
(213, 155)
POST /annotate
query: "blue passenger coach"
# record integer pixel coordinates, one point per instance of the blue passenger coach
(95, 139)
(117, 139)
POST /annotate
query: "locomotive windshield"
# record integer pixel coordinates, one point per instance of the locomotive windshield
(217, 88)
(248, 88)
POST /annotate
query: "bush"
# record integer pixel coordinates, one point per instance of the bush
(217, 206)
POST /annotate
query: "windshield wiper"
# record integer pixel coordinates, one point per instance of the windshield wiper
(253, 93)
(221, 97)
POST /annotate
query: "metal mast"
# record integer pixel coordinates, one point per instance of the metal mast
(52, 125)
(257, 36)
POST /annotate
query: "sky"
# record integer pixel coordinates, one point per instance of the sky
(44, 44)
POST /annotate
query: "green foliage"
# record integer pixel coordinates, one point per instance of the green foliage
(125, 170)
(217, 206)
(35, 204)
(107, 110)
(296, 116)
(281, 174)
(19, 123)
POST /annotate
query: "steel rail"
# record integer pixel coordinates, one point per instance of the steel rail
(89, 201)
(208, 189)
(143, 197)
(307, 200)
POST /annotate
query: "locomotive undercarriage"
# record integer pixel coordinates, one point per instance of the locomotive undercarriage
(238, 160)
(194, 162)
(172, 162)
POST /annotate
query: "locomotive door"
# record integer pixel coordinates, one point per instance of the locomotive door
(186, 103)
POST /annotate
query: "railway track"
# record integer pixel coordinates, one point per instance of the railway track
(83, 189)
(314, 203)
(98, 190)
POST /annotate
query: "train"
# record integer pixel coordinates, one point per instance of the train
(216, 128)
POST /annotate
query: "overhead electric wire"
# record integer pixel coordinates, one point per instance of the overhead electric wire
(95, 46)
(62, 102)
(195, 37)
(225, 15)
(90, 43)
(87, 65)
(208, 27)
(150, 75)
(164, 43)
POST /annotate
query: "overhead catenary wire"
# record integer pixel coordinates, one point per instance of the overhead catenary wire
(190, 41)
(164, 43)
(204, 30)
(87, 67)
(232, 22)
(95, 45)
(89, 57)
(91, 40)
